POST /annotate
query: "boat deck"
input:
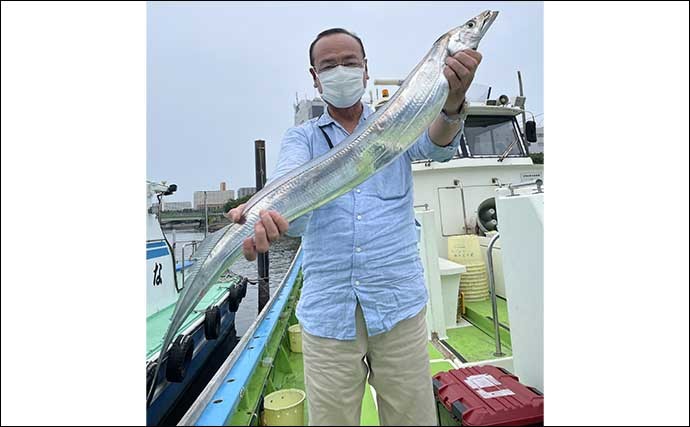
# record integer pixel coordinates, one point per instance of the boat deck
(471, 342)
(465, 344)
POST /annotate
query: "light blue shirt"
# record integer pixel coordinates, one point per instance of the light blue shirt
(361, 246)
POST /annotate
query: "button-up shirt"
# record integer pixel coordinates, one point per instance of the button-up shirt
(362, 246)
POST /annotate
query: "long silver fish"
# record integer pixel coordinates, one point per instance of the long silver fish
(389, 133)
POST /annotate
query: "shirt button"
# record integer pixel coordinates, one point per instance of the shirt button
(359, 216)
(358, 190)
(359, 249)
(356, 282)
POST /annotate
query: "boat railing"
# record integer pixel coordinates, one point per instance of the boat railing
(538, 182)
(185, 244)
(492, 289)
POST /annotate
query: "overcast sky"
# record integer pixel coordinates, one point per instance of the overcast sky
(220, 75)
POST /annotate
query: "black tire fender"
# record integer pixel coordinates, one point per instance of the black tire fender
(179, 358)
(212, 323)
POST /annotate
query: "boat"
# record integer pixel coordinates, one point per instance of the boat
(208, 334)
(480, 223)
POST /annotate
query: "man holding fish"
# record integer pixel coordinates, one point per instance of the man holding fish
(363, 302)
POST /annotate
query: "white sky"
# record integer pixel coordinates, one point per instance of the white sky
(220, 75)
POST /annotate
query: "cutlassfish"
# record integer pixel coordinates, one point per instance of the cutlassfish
(388, 133)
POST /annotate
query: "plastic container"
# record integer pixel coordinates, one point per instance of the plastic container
(473, 296)
(482, 278)
(474, 285)
(284, 408)
(475, 270)
(295, 334)
(486, 396)
(475, 289)
(465, 250)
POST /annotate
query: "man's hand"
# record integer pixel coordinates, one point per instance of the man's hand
(266, 231)
(459, 72)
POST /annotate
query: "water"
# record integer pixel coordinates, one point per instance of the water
(280, 257)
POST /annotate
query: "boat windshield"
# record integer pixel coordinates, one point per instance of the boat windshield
(491, 136)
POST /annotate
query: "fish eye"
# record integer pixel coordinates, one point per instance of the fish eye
(470, 24)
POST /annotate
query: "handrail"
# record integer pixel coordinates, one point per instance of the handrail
(193, 244)
(492, 288)
(537, 182)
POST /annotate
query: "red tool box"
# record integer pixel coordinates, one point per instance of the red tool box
(486, 396)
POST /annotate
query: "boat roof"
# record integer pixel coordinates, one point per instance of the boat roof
(481, 109)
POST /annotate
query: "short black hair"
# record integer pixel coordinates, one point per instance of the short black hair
(328, 32)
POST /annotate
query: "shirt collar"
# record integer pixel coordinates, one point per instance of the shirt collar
(326, 118)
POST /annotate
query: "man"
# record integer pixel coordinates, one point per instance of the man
(363, 301)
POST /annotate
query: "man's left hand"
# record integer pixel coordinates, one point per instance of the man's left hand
(459, 72)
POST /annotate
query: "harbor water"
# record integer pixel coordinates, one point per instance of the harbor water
(280, 256)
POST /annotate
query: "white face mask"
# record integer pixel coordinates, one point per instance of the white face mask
(342, 86)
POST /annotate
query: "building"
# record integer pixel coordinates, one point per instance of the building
(307, 109)
(245, 191)
(176, 206)
(214, 199)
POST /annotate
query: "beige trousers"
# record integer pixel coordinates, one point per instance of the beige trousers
(396, 364)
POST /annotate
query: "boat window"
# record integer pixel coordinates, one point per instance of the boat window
(491, 136)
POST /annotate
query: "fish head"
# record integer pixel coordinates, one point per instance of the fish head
(468, 35)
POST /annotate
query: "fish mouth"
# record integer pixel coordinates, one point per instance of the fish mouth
(489, 17)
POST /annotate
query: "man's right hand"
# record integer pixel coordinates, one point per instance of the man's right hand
(266, 231)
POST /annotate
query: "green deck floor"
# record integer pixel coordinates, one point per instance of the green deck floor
(440, 366)
(433, 352)
(481, 316)
(484, 308)
(473, 344)
(370, 415)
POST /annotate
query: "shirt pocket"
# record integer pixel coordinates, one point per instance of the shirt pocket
(392, 181)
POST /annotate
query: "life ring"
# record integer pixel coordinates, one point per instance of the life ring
(179, 358)
(212, 323)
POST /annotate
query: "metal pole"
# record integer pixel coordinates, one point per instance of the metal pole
(523, 108)
(262, 259)
(492, 288)
(205, 215)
